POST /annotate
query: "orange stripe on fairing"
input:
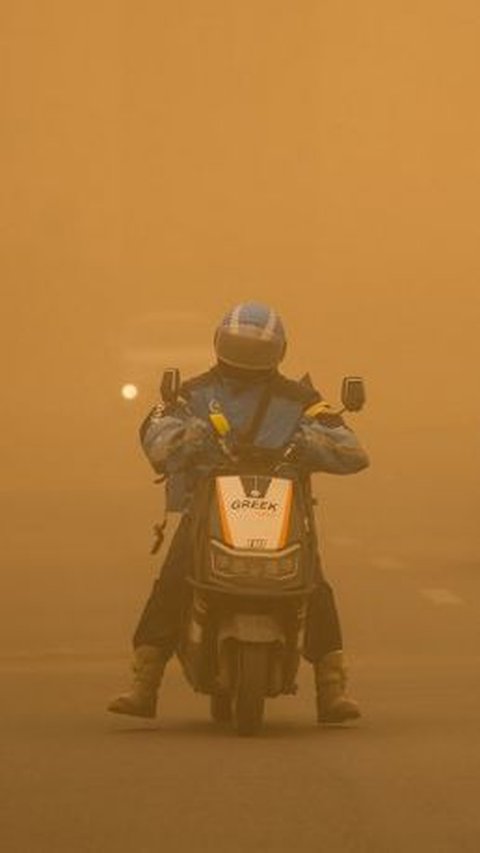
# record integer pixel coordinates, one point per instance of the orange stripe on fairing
(286, 518)
(227, 534)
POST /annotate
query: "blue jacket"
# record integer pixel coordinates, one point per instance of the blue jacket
(177, 438)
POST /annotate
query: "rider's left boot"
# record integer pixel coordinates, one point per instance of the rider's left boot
(333, 704)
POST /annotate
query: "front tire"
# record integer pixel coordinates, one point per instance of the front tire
(251, 687)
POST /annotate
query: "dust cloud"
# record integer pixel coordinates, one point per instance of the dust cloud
(164, 160)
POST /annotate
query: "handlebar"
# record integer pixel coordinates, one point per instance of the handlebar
(274, 459)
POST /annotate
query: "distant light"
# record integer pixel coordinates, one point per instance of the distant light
(129, 392)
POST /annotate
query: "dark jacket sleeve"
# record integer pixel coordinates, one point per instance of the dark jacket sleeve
(326, 443)
(171, 436)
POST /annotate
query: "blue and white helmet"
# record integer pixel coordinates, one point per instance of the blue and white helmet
(251, 336)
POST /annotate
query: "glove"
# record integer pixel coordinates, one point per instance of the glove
(331, 419)
(196, 433)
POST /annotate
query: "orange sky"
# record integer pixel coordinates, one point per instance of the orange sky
(170, 158)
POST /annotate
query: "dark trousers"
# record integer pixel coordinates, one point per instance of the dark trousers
(160, 621)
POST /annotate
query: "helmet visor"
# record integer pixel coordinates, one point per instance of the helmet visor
(248, 350)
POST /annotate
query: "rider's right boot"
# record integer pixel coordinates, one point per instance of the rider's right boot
(148, 666)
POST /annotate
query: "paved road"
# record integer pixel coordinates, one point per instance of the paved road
(407, 778)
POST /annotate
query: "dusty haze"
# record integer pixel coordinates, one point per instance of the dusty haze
(163, 160)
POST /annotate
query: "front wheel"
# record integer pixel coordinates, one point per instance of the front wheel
(251, 687)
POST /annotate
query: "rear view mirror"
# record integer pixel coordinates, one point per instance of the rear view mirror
(353, 393)
(170, 385)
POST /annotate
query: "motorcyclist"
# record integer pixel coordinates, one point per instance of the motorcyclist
(250, 343)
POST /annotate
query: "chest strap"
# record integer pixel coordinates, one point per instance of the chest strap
(222, 426)
(220, 423)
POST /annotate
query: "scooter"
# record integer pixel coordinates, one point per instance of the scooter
(254, 569)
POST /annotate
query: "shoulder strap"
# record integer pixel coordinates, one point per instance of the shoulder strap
(249, 434)
(301, 391)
